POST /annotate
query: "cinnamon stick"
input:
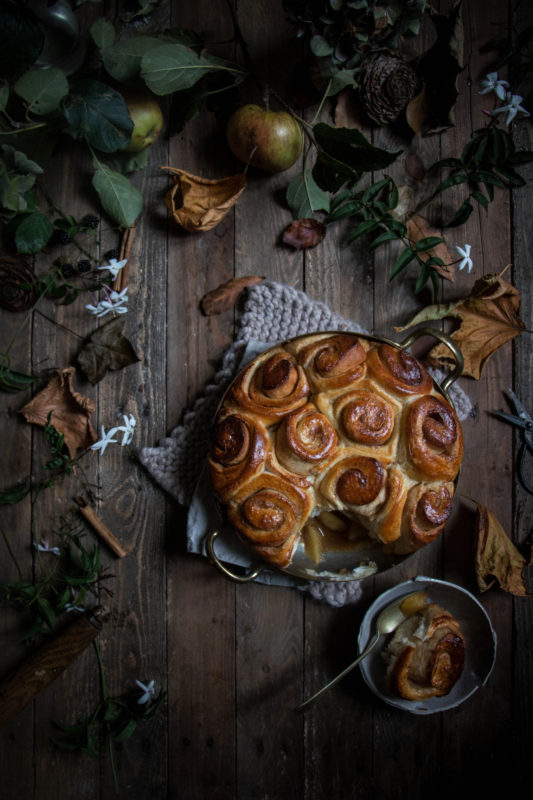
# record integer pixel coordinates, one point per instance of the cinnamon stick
(101, 529)
(46, 663)
(125, 252)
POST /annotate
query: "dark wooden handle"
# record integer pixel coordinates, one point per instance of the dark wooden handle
(45, 664)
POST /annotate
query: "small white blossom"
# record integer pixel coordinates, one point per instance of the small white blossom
(128, 429)
(512, 108)
(116, 301)
(71, 607)
(464, 252)
(44, 547)
(148, 692)
(492, 84)
(115, 266)
(106, 439)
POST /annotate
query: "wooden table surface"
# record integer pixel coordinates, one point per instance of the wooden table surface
(235, 660)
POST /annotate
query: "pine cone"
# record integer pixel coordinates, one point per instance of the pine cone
(18, 284)
(387, 85)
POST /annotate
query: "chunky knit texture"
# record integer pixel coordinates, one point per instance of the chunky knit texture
(272, 312)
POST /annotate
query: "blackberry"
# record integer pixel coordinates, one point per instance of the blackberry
(60, 237)
(114, 253)
(90, 221)
(67, 269)
(84, 265)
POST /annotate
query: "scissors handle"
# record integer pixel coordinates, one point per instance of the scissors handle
(524, 448)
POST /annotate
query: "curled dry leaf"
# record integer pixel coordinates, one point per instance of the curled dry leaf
(107, 349)
(226, 295)
(488, 319)
(347, 113)
(198, 204)
(69, 410)
(304, 233)
(418, 227)
(497, 557)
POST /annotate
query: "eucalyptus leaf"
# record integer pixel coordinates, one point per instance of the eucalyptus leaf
(320, 46)
(103, 33)
(33, 233)
(42, 89)
(99, 114)
(119, 198)
(125, 163)
(123, 59)
(305, 197)
(174, 67)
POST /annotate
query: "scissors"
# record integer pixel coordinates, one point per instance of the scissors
(522, 419)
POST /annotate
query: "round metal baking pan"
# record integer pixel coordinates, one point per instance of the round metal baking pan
(346, 565)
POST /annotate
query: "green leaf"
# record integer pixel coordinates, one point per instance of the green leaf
(33, 233)
(103, 33)
(47, 612)
(304, 197)
(320, 46)
(481, 199)
(461, 215)
(366, 226)
(402, 261)
(123, 60)
(513, 177)
(11, 381)
(447, 162)
(174, 67)
(347, 210)
(351, 148)
(119, 198)
(374, 189)
(42, 89)
(126, 731)
(388, 236)
(521, 157)
(488, 177)
(10, 497)
(99, 114)
(452, 180)
(422, 278)
(330, 175)
(427, 243)
(125, 163)
(330, 79)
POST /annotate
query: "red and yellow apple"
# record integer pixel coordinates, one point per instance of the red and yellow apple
(269, 140)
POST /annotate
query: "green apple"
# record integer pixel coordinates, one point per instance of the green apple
(270, 140)
(147, 118)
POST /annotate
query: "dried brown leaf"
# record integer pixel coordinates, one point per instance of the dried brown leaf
(347, 113)
(418, 111)
(70, 411)
(488, 319)
(107, 349)
(226, 295)
(418, 227)
(198, 204)
(496, 556)
(303, 233)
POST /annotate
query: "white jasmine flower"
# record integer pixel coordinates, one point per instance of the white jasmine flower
(148, 692)
(115, 266)
(44, 547)
(71, 607)
(106, 439)
(115, 302)
(492, 84)
(512, 108)
(128, 429)
(464, 252)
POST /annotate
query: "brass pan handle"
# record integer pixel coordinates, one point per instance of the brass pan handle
(450, 344)
(236, 577)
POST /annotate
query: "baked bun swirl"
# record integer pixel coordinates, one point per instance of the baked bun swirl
(426, 512)
(433, 439)
(239, 447)
(268, 512)
(271, 386)
(426, 655)
(331, 362)
(305, 441)
(354, 482)
(398, 371)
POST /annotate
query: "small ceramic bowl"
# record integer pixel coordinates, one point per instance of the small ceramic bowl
(480, 640)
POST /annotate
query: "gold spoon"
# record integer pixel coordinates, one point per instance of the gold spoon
(387, 622)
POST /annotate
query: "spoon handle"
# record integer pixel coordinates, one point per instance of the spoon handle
(310, 700)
